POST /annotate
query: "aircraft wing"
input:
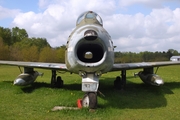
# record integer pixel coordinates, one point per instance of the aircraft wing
(127, 66)
(58, 66)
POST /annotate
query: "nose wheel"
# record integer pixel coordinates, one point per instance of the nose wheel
(90, 100)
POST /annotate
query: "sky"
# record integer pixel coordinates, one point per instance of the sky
(134, 25)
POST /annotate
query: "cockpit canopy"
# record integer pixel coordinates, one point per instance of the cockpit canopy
(89, 15)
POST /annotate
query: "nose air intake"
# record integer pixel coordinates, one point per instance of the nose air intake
(89, 49)
(90, 35)
(90, 53)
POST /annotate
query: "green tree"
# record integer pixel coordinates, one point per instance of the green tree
(5, 34)
(15, 53)
(40, 42)
(28, 42)
(172, 52)
(30, 54)
(47, 54)
(60, 54)
(4, 51)
(18, 34)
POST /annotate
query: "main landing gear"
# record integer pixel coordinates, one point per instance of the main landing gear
(120, 82)
(56, 82)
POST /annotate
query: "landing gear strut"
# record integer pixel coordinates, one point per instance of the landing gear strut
(123, 75)
(90, 84)
(120, 82)
(56, 82)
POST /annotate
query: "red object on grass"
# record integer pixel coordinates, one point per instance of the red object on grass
(79, 103)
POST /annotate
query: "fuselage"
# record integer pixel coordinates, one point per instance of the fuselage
(89, 47)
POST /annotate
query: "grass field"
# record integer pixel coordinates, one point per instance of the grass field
(137, 102)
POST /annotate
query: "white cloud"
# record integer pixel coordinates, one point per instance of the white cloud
(174, 27)
(8, 13)
(43, 3)
(151, 32)
(58, 19)
(147, 3)
(156, 31)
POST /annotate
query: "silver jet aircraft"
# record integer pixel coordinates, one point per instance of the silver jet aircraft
(89, 53)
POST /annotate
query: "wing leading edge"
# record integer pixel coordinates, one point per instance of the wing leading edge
(56, 66)
(128, 66)
(116, 67)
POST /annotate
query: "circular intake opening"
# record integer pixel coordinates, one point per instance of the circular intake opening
(90, 53)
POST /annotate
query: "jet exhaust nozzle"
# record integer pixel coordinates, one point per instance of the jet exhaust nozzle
(90, 35)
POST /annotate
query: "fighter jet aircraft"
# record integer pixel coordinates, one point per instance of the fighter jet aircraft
(89, 53)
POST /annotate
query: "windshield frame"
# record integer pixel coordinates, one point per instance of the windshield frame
(89, 15)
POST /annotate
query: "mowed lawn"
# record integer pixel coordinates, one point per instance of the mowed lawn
(137, 102)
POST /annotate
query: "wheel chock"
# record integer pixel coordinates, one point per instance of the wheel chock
(79, 103)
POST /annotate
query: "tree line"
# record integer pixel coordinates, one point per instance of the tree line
(16, 45)
(146, 56)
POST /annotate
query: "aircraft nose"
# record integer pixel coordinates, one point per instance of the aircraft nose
(90, 35)
(19, 81)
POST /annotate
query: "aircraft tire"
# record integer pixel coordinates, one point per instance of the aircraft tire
(59, 83)
(118, 83)
(90, 100)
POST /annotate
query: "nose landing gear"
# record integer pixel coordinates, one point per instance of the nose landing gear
(90, 84)
(90, 100)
